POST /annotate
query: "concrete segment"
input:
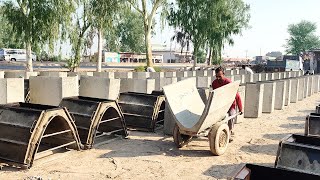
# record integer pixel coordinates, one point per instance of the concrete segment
(264, 77)
(109, 75)
(99, 87)
(306, 87)
(229, 72)
(182, 74)
(268, 96)
(20, 74)
(154, 75)
(248, 78)
(280, 94)
(169, 121)
(203, 82)
(253, 100)
(140, 75)
(12, 90)
(295, 90)
(80, 74)
(301, 88)
(123, 75)
(51, 90)
(256, 77)
(202, 73)
(170, 74)
(192, 73)
(137, 85)
(53, 73)
(288, 92)
(1, 74)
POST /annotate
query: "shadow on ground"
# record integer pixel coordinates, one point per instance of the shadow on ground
(277, 137)
(269, 149)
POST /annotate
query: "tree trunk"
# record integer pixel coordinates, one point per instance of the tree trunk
(148, 47)
(210, 57)
(77, 58)
(29, 67)
(195, 58)
(99, 60)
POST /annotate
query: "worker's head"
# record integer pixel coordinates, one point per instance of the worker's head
(219, 73)
(243, 66)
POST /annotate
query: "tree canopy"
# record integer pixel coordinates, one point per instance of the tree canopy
(302, 37)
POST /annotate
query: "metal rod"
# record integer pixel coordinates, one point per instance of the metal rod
(159, 121)
(57, 133)
(107, 120)
(108, 133)
(136, 115)
(50, 151)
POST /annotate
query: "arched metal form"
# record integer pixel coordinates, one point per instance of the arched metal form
(32, 131)
(142, 111)
(95, 118)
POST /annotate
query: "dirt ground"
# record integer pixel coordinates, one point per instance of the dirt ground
(153, 156)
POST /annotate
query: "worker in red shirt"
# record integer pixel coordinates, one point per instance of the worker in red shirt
(221, 80)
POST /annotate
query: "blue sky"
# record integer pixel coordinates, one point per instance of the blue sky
(269, 22)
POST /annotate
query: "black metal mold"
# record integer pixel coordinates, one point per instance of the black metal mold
(299, 153)
(256, 172)
(312, 125)
(142, 111)
(32, 131)
(95, 118)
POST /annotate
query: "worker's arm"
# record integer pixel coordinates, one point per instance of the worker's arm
(239, 102)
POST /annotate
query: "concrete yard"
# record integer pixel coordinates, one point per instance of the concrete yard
(153, 156)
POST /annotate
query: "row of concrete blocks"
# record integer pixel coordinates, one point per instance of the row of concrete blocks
(154, 75)
(267, 96)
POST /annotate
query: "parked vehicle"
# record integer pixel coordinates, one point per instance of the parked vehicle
(15, 55)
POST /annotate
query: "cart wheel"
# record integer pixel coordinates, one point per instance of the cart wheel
(219, 138)
(180, 139)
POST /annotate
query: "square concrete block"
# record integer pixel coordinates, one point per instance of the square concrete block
(268, 96)
(191, 73)
(109, 75)
(256, 77)
(236, 71)
(315, 84)
(20, 74)
(301, 91)
(170, 74)
(123, 75)
(271, 76)
(311, 86)
(280, 95)
(306, 87)
(202, 73)
(253, 100)
(242, 71)
(248, 78)
(53, 73)
(1, 74)
(140, 75)
(288, 92)
(182, 78)
(99, 87)
(160, 82)
(154, 75)
(51, 90)
(80, 73)
(137, 85)
(237, 78)
(182, 74)
(12, 90)
(283, 75)
(203, 82)
(229, 72)
(264, 77)
(296, 91)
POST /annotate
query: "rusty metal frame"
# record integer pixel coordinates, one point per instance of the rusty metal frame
(89, 114)
(142, 111)
(30, 123)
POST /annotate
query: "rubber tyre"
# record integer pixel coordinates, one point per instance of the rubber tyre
(180, 139)
(219, 136)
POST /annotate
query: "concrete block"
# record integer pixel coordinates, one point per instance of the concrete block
(237, 78)
(12, 90)
(80, 73)
(182, 74)
(280, 95)
(191, 73)
(51, 90)
(288, 92)
(154, 75)
(301, 88)
(242, 71)
(253, 100)
(311, 86)
(283, 75)
(229, 72)
(271, 76)
(109, 75)
(288, 74)
(264, 77)
(203, 82)
(170, 74)
(256, 77)
(306, 87)
(236, 71)
(1, 74)
(123, 75)
(248, 78)
(141, 75)
(315, 84)
(295, 90)
(20, 74)
(242, 93)
(202, 73)
(99, 87)
(137, 85)
(268, 96)
(53, 73)
(181, 78)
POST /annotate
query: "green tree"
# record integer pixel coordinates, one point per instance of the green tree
(148, 19)
(103, 12)
(127, 34)
(302, 37)
(36, 21)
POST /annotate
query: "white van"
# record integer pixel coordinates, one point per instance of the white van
(14, 55)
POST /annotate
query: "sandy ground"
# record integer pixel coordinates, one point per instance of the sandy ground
(153, 156)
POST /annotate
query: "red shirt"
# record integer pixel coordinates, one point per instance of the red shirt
(216, 84)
